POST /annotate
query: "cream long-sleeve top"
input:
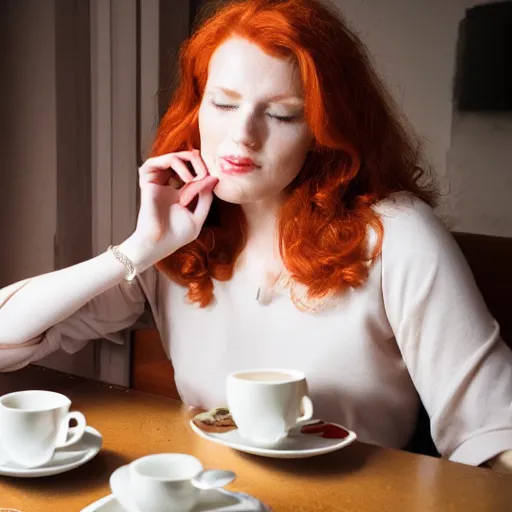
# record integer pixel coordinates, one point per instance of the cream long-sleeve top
(418, 328)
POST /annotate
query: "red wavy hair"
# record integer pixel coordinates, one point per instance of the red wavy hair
(362, 153)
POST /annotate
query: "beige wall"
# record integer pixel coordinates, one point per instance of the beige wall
(479, 173)
(28, 138)
(413, 44)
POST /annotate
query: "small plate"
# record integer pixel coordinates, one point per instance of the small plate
(64, 459)
(218, 500)
(317, 437)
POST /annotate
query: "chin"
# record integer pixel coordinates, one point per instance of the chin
(213, 171)
(229, 194)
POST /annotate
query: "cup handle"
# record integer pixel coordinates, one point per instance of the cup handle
(307, 407)
(76, 432)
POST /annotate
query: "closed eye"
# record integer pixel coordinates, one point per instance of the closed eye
(224, 107)
(283, 119)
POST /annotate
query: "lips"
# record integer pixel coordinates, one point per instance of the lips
(237, 164)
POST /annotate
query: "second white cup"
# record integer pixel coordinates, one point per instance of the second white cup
(163, 482)
(34, 423)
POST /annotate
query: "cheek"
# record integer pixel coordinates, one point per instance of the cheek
(291, 150)
(210, 141)
(206, 137)
(203, 126)
(208, 131)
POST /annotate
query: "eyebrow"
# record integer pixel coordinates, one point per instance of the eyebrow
(284, 98)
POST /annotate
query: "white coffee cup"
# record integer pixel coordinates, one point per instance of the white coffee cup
(163, 482)
(34, 423)
(267, 403)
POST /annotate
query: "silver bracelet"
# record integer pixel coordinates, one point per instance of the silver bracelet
(127, 262)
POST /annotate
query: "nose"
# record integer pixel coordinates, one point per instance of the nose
(245, 131)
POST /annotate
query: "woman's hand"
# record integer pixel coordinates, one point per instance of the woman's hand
(165, 221)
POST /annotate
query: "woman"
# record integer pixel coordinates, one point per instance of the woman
(303, 238)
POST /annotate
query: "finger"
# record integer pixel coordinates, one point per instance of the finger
(195, 158)
(203, 206)
(199, 165)
(158, 169)
(193, 188)
(161, 162)
(158, 176)
(179, 167)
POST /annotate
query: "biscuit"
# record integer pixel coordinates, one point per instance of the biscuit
(216, 420)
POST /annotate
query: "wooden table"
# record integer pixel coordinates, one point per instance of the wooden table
(360, 478)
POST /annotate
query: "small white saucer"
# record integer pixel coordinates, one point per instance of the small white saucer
(64, 459)
(297, 445)
(218, 500)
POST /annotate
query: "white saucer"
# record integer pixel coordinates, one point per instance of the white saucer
(296, 446)
(63, 460)
(218, 500)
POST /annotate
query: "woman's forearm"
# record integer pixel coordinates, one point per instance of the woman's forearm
(28, 308)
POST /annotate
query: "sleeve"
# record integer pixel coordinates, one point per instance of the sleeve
(105, 316)
(448, 339)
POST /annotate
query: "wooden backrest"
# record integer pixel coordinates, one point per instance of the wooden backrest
(489, 257)
(151, 371)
